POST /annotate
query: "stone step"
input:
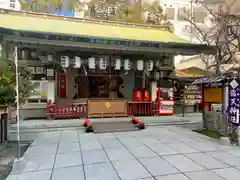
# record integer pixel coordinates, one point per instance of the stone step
(80, 124)
(107, 127)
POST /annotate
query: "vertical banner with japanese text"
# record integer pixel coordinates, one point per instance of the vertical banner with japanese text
(63, 84)
(234, 102)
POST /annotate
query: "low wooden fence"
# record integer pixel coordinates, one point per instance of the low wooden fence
(55, 111)
(80, 110)
(145, 108)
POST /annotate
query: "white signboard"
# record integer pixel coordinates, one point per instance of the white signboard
(10, 4)
(166, 107)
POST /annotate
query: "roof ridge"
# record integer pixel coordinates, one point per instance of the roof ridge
(87, 20)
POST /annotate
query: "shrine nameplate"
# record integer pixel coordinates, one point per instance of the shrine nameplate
(107, 108)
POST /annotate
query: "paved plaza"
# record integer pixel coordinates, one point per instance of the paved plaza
(163, 153)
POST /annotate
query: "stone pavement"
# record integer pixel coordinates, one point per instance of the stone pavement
(30, 128)
(162, 153)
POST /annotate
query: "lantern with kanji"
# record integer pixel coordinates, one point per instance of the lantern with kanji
(77, 62)
(64, 61)
(146, 95)
(149, 65)
(137, 95)
(140, 65)
(92, 63)
(103, 63)
(117, 64)
(127, 65)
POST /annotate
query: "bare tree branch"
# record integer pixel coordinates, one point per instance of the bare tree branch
(216, 33)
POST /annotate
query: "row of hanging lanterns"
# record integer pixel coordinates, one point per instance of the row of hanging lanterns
(103, 62)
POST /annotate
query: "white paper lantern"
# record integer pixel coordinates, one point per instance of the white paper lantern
(64, 61)
(149, 65)
(127, 64)
(140, 65)
(103, 63)
(77, 62)
(92, 63)
(117, 64)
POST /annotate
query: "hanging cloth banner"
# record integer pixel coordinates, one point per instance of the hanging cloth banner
(62, 85)
(234, 102)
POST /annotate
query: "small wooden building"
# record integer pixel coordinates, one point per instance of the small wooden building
(90, 65)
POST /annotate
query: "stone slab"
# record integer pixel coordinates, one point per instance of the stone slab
(142, 152)
(228, 173)
(182, 148)
(163, 149)
(206, 161)
(157, 166)
(36, 163)
(111, 143)
(182, 163)
(90, 145)
(67, 173)
(95, 156)
(68, 159)
(103, 171)
(200, 175)
(131, 169)
(225, 158)
(119, 154)
(37, 175)
(68, 147)
(173, 177)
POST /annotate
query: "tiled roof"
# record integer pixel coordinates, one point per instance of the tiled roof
(205, 80)
(76, 27)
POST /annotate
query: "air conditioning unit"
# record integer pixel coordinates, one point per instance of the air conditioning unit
(117, 64)
(127, 64)
(91, 63)
(77, 62)
(140, 65)
(149, 65)
(103, 63)
(64, 61)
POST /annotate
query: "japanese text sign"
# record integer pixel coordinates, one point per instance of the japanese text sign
(234, 102)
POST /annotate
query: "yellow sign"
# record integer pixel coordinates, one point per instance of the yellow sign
(107, 104)
(43, 94)
(212, 95)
